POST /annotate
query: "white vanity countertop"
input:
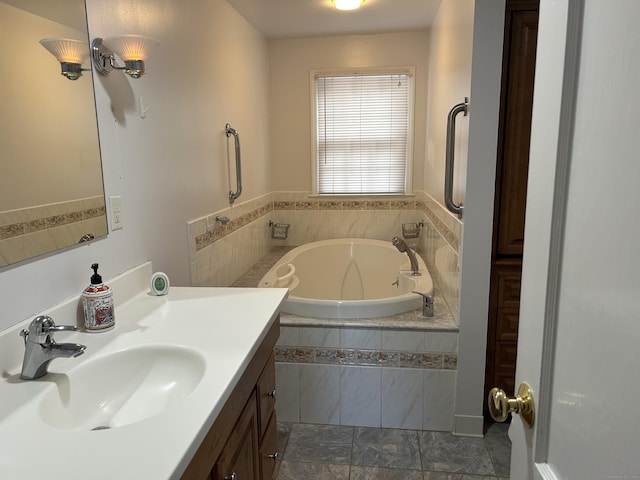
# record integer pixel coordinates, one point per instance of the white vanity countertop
(225, 325)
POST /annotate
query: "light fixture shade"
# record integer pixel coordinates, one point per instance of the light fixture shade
(348, 4)
(66, 50)
(131, 47)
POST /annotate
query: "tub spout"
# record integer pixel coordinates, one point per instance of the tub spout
(402, 246)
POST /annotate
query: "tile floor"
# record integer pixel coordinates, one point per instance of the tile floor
(328, 452)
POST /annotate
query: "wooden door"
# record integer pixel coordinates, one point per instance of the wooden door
(518, 71)
(580, 328)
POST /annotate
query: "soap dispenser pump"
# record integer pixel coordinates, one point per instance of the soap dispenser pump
(97, 303)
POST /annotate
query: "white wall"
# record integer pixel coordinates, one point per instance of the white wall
(477, 229)
(211, 68)
(466, 60)
(449, 83)
(290, 121)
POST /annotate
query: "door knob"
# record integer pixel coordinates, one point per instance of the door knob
(500, 405)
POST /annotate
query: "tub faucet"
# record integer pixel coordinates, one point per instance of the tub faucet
(41, 348)
(427, 304)
(402, 246)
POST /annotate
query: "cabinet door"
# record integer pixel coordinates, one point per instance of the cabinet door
(269, 450)
(513, 156)
(266, 388)
(239, 456)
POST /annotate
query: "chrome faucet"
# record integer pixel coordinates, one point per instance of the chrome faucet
(402, 246)
(427, 304)
(41, 348)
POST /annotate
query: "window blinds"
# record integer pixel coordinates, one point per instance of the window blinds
(362, 131)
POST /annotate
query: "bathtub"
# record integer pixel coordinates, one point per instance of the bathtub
(348, 278)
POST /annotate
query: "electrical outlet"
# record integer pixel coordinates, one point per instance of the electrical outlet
(115, 204)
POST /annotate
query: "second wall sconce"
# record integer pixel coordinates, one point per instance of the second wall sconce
(132, 49)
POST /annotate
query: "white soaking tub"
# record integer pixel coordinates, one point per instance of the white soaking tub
(348, 278)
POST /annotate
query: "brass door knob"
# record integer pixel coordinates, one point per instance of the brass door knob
(500, 405)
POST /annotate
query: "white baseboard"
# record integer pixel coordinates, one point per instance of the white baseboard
(468, 425)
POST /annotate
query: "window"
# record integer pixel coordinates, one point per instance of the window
(362, 129)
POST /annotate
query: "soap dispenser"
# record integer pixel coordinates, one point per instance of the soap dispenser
(97, 302)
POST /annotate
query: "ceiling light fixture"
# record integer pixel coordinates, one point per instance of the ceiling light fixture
(348, 4)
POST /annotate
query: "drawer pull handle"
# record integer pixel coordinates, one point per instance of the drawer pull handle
(272, 394)
(274, 457)
(233, 476)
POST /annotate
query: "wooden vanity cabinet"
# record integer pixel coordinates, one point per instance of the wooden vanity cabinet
(243, 438)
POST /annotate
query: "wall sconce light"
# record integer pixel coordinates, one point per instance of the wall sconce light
(70, 54)
(133, 49)
(348, 4)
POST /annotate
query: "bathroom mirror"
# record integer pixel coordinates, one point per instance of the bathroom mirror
(51, 190)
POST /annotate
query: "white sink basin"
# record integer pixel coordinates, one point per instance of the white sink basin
(121, 388)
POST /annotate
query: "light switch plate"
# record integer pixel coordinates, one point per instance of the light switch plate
(115, 204)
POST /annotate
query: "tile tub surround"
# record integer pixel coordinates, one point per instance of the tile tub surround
(356, 453)
(220, 254)
(396, 371)
(377, 377)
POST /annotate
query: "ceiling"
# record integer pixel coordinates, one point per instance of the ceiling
(65, 12)
(308, 18)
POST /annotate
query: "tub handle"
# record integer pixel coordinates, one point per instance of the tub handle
(427, 304)
(292, 269)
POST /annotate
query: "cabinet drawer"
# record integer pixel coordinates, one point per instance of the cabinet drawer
(269, 454)
(266, 388)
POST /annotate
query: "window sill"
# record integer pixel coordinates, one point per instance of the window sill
(361, 195)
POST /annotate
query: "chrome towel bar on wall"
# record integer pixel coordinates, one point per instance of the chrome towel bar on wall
(233, 196)
(450, 154)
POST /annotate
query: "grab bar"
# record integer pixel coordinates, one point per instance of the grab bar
(450, 153)
(233, 196)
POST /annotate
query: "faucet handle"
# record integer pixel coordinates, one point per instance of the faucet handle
(40, 327)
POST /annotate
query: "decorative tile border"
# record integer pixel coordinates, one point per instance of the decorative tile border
(17, 229)
(375, 358)
(344, 205)
(219, 231)
(302, 201)
(427, 208)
